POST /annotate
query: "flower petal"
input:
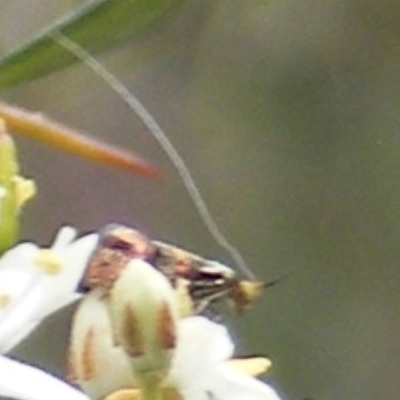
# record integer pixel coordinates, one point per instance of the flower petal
(21, 296)
(225, 383)
(15, 276)
(29, 292)
(21, 319)
(21, 381)
(60, 288)
(65, 236)
(202, 345)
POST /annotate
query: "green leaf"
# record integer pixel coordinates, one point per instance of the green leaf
(97, 27)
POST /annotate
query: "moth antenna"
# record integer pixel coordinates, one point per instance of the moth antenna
(151, 124)
(278, 280)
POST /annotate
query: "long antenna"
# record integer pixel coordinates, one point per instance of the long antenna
(151, 124)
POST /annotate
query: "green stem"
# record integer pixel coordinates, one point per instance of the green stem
(151, 389)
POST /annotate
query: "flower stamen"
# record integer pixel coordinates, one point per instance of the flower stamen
(5, 300)
(25, 189)
(254, 366)
(124, 394)
(48, 261)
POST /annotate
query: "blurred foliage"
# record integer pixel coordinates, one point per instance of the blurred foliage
(287, 113)
(97, 26)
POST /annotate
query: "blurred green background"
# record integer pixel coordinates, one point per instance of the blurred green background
(287, 114)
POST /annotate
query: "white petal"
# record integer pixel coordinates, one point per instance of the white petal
(21, 381)
(16, 277)
(28, 294)
(18, 259)
(21, 318)
(227, 384)
(202, 345)
(14, 285)
(60, 288)
(64, 237)
(76, 257)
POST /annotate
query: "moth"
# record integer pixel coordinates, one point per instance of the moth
(206, 281)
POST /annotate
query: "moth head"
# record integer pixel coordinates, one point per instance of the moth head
(245, 293)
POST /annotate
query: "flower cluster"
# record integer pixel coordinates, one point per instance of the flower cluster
(34, 283)
(127, 344)
(129, 341)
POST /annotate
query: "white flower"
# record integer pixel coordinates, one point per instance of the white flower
(36, 282)
(20, 381)
(200, 367)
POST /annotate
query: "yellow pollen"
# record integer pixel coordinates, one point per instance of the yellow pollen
(250, 366)
(48, 261)
(171, 394)
(124, 394)
(25, 189)
(5, 300)
(135, 394)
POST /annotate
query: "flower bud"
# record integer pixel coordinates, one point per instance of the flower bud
(144, 315)
(14, 190)
(94, 362)
(8, 206)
